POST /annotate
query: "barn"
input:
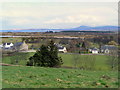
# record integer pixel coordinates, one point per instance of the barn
(20, 46)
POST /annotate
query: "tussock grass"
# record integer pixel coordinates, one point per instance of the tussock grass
(39, 77)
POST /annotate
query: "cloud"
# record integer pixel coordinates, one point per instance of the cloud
(20, 21)
(88, 16)
(83, 19)
(64, 15)
(74, 19)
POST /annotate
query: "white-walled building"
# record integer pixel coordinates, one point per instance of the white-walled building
(94, 50)
(62, 49)
(108, 48)
(7, 45)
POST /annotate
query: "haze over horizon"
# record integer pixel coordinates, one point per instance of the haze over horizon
(58, 15)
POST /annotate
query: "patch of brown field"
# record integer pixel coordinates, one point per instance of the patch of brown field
(4, 64)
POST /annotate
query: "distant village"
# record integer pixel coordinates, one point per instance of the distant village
(23, 47)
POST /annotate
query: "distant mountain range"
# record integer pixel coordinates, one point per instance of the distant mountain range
(81, 28)
(97, 28)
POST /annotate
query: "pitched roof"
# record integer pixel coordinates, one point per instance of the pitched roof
(94, 48)
(110, 47)
(18, 43)
(61, 47)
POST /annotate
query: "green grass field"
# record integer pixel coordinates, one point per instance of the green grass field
(39, 77)
(11, 39)
(100, 60)
(68, 59)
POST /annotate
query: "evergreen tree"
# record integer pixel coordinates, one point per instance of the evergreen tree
(47, 56)
(83, 45)
(53, 54)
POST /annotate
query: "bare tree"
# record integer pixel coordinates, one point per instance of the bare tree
(113, 59)
(76, 55)
(88, 62)
(76, 59)
(92, 60)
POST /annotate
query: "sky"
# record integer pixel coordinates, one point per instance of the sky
(29, 15)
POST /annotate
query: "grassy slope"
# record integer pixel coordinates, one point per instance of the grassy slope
(68, 59)
(13, 40)
(100, 60)
(39, 77)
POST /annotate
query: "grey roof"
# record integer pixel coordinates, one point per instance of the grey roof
(94, 48)
(18, 44)
(61, 47)
(109, 47)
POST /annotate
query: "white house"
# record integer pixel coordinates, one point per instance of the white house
(20, 46)
(7, 45)
(94, 50)
(62, 49)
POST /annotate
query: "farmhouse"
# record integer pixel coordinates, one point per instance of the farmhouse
(7, 45)
(94, 50)
(108, 48)
(20, 46)
(62, 49)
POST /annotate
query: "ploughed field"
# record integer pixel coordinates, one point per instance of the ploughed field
(39, 77)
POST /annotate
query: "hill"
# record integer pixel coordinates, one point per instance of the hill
(97, 28)
(80, 28)
(39, 77)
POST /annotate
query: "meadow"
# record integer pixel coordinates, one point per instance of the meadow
(39, 77)
(70, 60)
(77, 71)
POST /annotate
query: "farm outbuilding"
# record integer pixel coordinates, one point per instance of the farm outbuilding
(20, 46)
